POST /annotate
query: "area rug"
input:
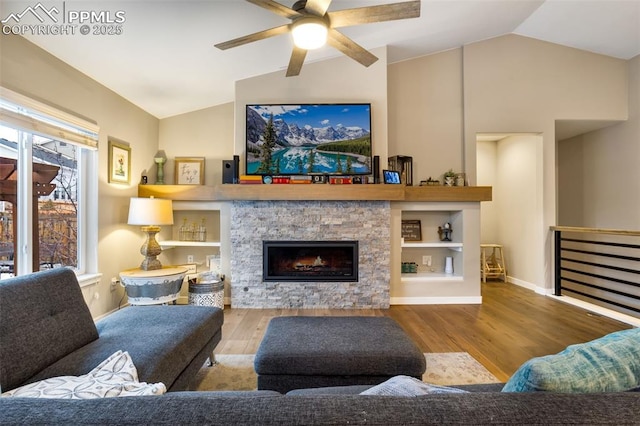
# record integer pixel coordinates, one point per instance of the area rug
(235, 372)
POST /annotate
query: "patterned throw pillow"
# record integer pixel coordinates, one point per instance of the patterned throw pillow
(608, 364)
(115, 376)
(408, 386)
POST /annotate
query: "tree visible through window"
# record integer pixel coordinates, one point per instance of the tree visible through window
(54, 179)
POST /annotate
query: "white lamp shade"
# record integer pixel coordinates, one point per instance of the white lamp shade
(150, 211)
(309, 33)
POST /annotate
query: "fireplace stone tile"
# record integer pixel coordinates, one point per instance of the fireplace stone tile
(368, 222)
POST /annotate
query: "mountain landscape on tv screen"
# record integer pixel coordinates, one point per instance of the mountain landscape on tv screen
(307, 147)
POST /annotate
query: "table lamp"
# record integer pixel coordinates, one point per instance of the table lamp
(150, 213)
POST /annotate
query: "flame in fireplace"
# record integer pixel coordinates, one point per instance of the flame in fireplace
(308, 264)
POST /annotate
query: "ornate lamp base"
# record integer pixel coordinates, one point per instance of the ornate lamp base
(150, 249)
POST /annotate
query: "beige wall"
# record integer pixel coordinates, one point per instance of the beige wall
(29, 70)
(205, 133)
(487, 167)
(601, 185)
(517, 84)
(513, 167)
(571, 207)
(519, 205)
(425, 113)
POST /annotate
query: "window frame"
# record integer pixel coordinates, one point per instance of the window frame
(29, 116)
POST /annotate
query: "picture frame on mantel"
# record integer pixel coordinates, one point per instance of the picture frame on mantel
(189, 171)
(119, 162)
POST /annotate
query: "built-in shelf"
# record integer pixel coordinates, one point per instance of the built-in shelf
(436, 244)
(323, 192)
(174, 243)
(430, 276)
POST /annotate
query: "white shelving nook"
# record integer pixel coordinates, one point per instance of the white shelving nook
(430, 284)
(210, 214)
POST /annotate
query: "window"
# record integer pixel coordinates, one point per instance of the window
(46, 204)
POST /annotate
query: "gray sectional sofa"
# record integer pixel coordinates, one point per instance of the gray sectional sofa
(45, 331)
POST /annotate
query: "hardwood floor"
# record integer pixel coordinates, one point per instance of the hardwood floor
(511, 326)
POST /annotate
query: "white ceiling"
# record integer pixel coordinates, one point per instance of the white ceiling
(165, 61)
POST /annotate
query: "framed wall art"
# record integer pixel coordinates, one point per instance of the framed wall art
(119, 162)
(411, 230)
(189, 171)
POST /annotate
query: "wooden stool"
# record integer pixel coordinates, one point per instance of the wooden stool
(492, 264)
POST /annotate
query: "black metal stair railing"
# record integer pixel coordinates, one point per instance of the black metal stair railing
(599, 266)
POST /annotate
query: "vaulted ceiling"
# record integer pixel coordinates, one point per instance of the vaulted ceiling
(166, 63)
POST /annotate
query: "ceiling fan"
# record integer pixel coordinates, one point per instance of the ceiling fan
(311, 25)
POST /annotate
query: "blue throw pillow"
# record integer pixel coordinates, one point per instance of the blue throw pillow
(608, 364)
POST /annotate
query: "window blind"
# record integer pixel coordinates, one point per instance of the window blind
(27, 114)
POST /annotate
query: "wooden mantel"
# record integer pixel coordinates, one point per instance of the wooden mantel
(301, 192)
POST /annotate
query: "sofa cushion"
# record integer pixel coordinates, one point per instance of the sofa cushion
(407, 386)
(115, 376)
(608, 364)
(43, 318)
(162, 341)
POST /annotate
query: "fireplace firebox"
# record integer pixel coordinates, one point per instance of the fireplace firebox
(310, 261)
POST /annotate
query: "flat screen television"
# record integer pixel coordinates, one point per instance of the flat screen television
(307, 139)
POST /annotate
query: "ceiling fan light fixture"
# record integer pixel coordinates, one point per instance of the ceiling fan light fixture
(309, 33)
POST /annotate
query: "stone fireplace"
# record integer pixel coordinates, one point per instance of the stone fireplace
(327, 222)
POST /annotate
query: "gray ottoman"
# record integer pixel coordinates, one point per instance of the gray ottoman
(309, 352)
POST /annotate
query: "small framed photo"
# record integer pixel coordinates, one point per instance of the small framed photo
(119, 162)
(189, 171)
(391, 176)
(411, 230)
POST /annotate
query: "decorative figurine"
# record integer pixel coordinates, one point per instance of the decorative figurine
(445, 231)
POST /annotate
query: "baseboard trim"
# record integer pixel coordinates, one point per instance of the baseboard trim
(619, 316)
(609, 313)
(98, 318)
(528, 285)
(467, 300)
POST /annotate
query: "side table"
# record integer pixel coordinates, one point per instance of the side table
(153, 287)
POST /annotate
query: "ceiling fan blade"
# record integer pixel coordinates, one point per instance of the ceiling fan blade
(276, 8)
(371, 14)
(317, 7)
(260, 35)
(350, 48)
(296, 61)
